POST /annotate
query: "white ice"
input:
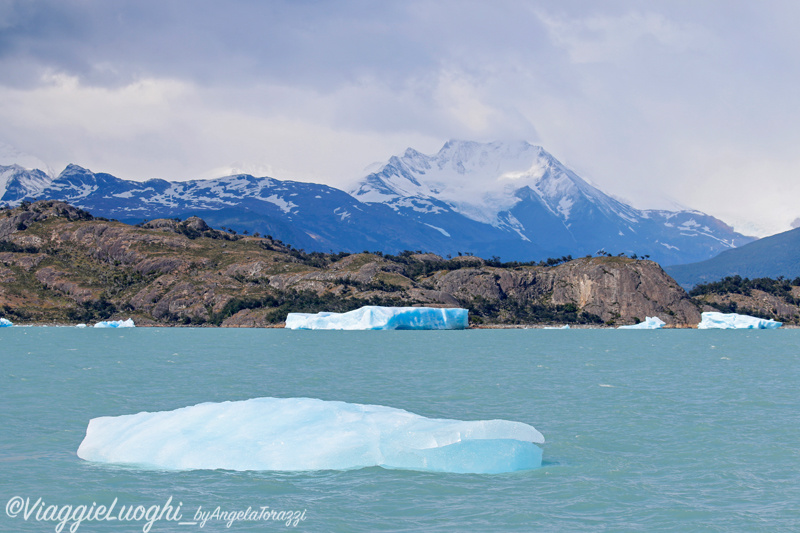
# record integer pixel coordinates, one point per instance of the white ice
(5, 323)
(650, 322)
(377, 317)
(298, 434)
(715, 320)
(116, 324)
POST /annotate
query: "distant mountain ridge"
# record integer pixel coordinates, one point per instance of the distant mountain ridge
(770, 257)
(511, 200)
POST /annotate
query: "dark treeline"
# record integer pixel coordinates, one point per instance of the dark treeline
(779, 287)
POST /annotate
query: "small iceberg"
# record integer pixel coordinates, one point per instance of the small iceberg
(5, 323)
(650, 322)
(80, 325)
(716, 320)
(301, 434)
(565, 326)
(116, 324)
(377, 317)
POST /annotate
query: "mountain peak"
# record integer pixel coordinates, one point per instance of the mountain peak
(478, 180)
(484, 154)
(492, 146)
(73, 168)
(526, 193)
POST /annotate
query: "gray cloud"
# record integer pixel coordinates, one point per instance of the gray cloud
(654, 102)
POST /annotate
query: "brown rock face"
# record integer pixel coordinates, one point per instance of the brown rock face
(618, 290)
(59, 281)
(623, 289)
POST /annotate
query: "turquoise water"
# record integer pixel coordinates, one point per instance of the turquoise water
(676, 430)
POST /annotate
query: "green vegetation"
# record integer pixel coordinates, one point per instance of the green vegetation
(92, 311)
(8, 246)
(510, 311)
(780, 287)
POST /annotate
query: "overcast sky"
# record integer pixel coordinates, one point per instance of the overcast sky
(658, 102)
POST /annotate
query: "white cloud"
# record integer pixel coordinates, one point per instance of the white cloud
(601, 38)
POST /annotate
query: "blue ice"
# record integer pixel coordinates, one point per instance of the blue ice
(715, 320)
(300, 434)
(377, 317)
(650, 322)
(116, 324)
(5, 323)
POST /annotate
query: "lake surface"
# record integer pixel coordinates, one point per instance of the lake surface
(669, 430)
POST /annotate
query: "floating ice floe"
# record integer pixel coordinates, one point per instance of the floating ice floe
(300, 434)
(715, 320)
(377, 317)
(116, 324)
(650, 322)
(80, 325)
(5, 323)
(566, 326)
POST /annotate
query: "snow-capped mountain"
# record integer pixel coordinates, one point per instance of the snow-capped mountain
(305, 215)
(479, 181)
(19, 182)
(527, 194)
(511, 200)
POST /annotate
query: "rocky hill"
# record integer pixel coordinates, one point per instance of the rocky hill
(60, 264)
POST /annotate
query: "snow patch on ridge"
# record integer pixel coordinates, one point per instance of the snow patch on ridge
(284, 206)
(437, 228)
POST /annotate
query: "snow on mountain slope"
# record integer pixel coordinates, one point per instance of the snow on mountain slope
(18, 181)
(521, 189)
(6, 174)
(481, 181)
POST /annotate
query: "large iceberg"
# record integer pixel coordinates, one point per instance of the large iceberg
(715, 320)
(377, 317)
(5, 323)
(116, 324)
(297, 434)
(650, 322)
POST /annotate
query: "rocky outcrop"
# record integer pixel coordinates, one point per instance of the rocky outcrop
(60, 281)
(21, 218)
(622, 289)
(26, 261)
(618, 290)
